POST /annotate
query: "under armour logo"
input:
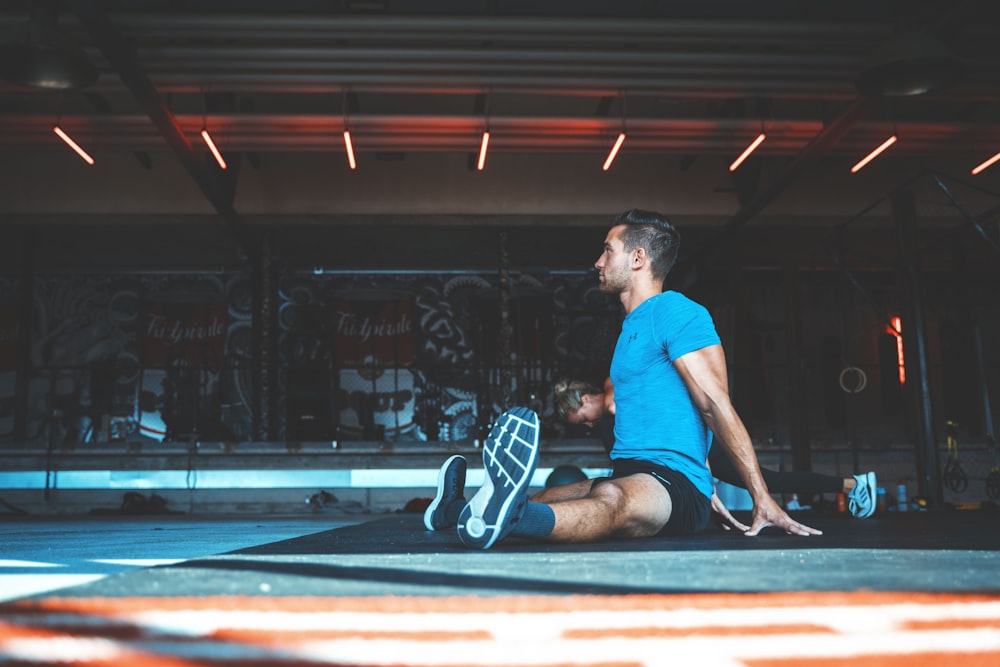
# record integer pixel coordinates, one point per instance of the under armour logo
(633, 337)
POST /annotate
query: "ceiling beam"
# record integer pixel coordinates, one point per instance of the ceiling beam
(121, 55)
(828, 137)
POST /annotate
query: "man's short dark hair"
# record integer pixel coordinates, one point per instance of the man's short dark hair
(652, 231)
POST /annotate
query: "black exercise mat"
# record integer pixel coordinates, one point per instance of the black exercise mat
(947, 551)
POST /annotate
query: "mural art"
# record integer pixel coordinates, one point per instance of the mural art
(402, 357)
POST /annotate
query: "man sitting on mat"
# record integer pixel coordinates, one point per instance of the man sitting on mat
(672, 401)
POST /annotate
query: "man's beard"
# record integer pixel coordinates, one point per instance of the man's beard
(615, 281)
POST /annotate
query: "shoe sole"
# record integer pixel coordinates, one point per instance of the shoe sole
(509, 456)
(431, 510)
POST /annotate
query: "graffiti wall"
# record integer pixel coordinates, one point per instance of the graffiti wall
(417, 356)
(152, 357)
(423, 356)
(403, 357)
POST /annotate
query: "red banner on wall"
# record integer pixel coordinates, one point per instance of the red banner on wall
(194, 333)
(370, 331)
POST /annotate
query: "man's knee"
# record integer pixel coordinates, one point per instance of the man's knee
(610, 493)
(640, 503)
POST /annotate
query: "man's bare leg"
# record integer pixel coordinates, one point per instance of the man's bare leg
(558, 494)
(633, 506)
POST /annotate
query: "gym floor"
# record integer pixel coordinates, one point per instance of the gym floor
(393, 554)
(916, 588)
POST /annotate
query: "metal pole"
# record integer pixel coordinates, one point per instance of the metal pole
(506, 330)
(984, 386)
(798, 408)
(904, 212)
(262, 284)
(25, 317)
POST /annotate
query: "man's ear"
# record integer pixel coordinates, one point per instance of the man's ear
(638, 258)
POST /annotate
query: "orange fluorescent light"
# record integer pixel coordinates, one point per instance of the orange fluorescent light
(875, 153)
(72, 144)
(349, 147)
(896, 329)
(986, 165)
(614, 152)
(482, 151)
(211, 146)
(749, 149)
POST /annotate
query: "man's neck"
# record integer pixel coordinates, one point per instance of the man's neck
(634, 297)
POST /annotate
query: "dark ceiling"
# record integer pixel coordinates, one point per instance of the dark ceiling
(689, 80)
(683, 78)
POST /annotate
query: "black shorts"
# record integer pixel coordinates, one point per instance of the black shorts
(691, 508)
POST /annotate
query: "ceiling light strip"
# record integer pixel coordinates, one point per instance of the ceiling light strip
(482, 151)
(614, 151)
(746, 153)
(212, 147)
(986, 165)
(72, 144)
(875, 153)
(349, 147)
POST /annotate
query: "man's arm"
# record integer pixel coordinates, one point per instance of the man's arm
(704, 373)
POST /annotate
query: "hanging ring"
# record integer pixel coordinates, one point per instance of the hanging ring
(862, 380)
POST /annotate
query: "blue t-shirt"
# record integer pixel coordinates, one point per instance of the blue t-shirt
(655, 418)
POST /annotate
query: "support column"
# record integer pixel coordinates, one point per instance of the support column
(25, 318)
(917, 389)
(262, 284)
(506, 330)
(797, 392)
(736, 363)
(968, 295)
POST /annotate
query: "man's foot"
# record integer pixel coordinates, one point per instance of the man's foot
(451, 489)
(509, 456)
(864, 495)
